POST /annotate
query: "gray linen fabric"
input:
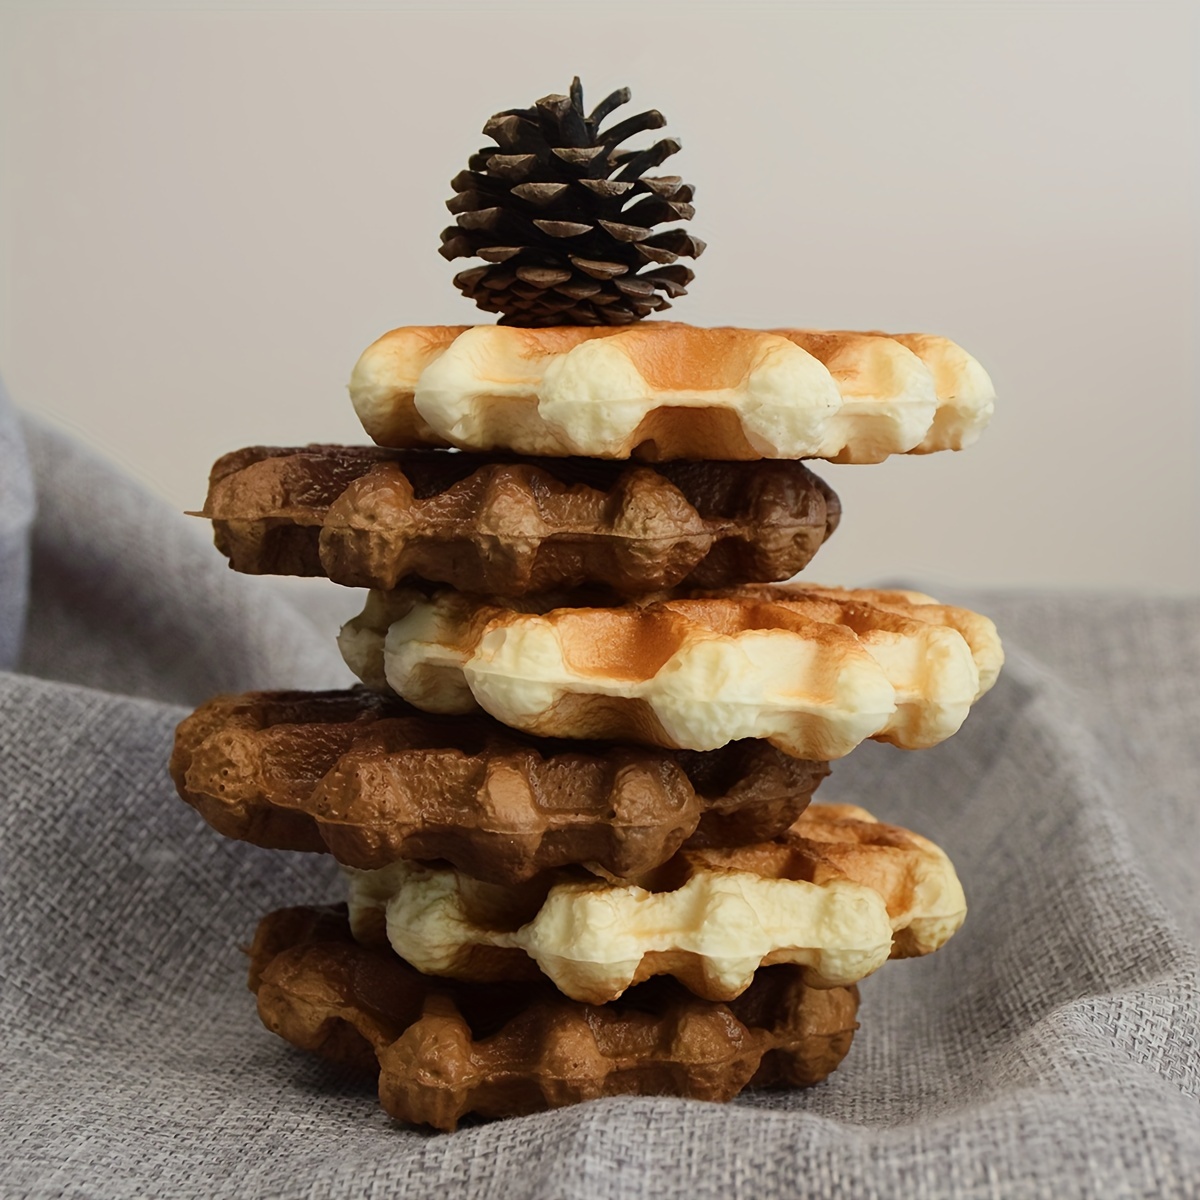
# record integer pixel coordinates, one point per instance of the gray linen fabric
(1051, 1049)
(16, 515)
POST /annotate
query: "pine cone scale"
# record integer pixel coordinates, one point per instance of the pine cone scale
(600, 270)
(497, 254)
(578, 156)
(543, 277)
(607, 188)
(540, 194)
(563, 229)
(625, 233)
(653, 254)
(507, 166)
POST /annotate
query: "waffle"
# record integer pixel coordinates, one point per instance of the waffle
(372, 780)
(367, 517)
(813, 671)
(660, 390)
(839, 894)
(443, 1049)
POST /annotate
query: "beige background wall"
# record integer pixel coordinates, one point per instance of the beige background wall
(208, 213)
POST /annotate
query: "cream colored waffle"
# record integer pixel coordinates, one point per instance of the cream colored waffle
(661, 390)
(814, 671)
(839, 894)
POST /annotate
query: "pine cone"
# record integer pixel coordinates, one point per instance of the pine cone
(567, 219)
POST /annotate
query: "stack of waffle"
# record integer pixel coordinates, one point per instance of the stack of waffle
(571, 795)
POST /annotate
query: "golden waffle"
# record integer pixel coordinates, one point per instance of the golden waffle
(444, 1049)
(660, 390)
(814, 671)
(839, 894)
(373, 780)
(368, 517)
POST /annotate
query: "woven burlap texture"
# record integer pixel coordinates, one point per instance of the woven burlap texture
(1050, 1049)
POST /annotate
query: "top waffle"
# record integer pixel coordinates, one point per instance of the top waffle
(660, 390)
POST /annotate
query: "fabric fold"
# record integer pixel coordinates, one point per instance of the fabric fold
(1049, 1049)
(16, 518)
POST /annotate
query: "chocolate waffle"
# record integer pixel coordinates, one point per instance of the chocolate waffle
(443, 1049)
(367, 517)
(373, 780)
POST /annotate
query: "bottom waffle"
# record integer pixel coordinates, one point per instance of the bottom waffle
(443, 1049)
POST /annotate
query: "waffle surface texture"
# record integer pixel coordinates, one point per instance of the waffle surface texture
(661, 390)
(1047, 1050)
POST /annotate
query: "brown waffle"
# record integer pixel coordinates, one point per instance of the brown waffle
(445, 1049)
(371, 518)
(372, 780)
